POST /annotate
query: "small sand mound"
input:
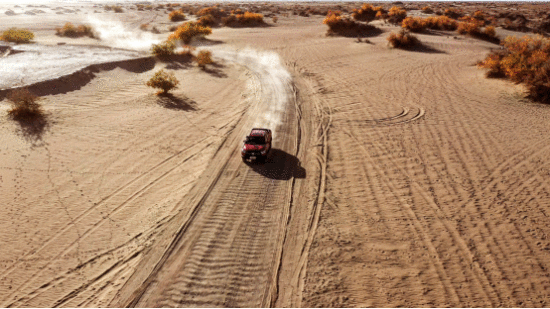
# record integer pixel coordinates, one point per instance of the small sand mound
(10, 13)
(29, 13)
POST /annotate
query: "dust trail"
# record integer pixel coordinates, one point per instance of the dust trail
(276, 82)
(113, 33)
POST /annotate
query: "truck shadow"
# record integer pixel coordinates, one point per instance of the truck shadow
(280, 165)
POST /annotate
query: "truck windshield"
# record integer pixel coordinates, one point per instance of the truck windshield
(255, 140)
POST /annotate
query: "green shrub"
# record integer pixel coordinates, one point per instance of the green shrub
(17, 35)
(164, 81)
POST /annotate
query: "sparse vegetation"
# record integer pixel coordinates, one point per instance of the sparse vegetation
(472, 26)
(274, 19)
(207, 21)
(453, 13)
(366, 13)
(72, 31)
(414, 24)
(403, 39)
(203, 58)
(176, 16)
(441, 23)
(188, 31)
(115, 8)
(24, 105)
(524, 60)
(17, 35)
(163, 80)
(246, 19)
(144, 27)
(163, 49)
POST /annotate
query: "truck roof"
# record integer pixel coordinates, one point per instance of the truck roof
(258, 132)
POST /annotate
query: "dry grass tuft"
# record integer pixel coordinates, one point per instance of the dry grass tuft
(524, 60)
(427, 10)
(17, 35)
(164, 81)
(247, 19)
(24, 105)
(72, 31)
(414, 24)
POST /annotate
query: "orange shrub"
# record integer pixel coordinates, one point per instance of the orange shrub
(188, 31)
(163, 49)
(414, 24)
(524, 60)
(176, 16)
(207, 20)
(164, 81)
(365, 13)
(403, 39)
(214, 11)
(396, 15)
(441, 23)
(203, 58)
(246, 19)
(490, 31)
(338, 24)
(427, 10)
(478, 15)
(17, 35)
(453, 13)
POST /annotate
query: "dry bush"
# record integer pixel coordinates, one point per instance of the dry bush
(247, 19)
(72, 31)
(140, 7)
(402, 40)
(203, 58)
(478, 15)
(414, 24)
(144, 27)
(274, 19)
(453, 13)
(207, 21)
(472, 26)
(427, 10)
(339, 25)
(188, 31)
(17, 35)
(163, 49)
(164, 81)
(441, 23)
(524, 60)
(214, 11)
(396, 15)
(366, 13)
(117, 8)
(24, 105)
(176, 16)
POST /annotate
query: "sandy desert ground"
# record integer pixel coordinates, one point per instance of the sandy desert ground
(398, 178)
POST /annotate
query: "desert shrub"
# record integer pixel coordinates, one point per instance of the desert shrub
(414, 24)
(402, 40)
(207, 21)
(427, 10)
(340, 25)
(24, 104)
(441, 23)
(246, 19)
(490, 31)
(236, 11)
(365, 13)
(478, 15)
(381, 15)
(163, 49)
(188, 31)
(396, 15)
(274, 19)
(140, 7)
(117, 9)
(203, 58)
(176, 16)
(524, 60)
(148, 7)
(72, 31)
(453, 13)
(144, 27)
(214, 11)
(17, 35)
(164, 81)
(472, 26)
(155, 30)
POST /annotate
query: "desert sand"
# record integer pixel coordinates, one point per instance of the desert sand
(398, 178)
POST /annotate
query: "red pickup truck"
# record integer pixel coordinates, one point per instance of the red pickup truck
(257, 145)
